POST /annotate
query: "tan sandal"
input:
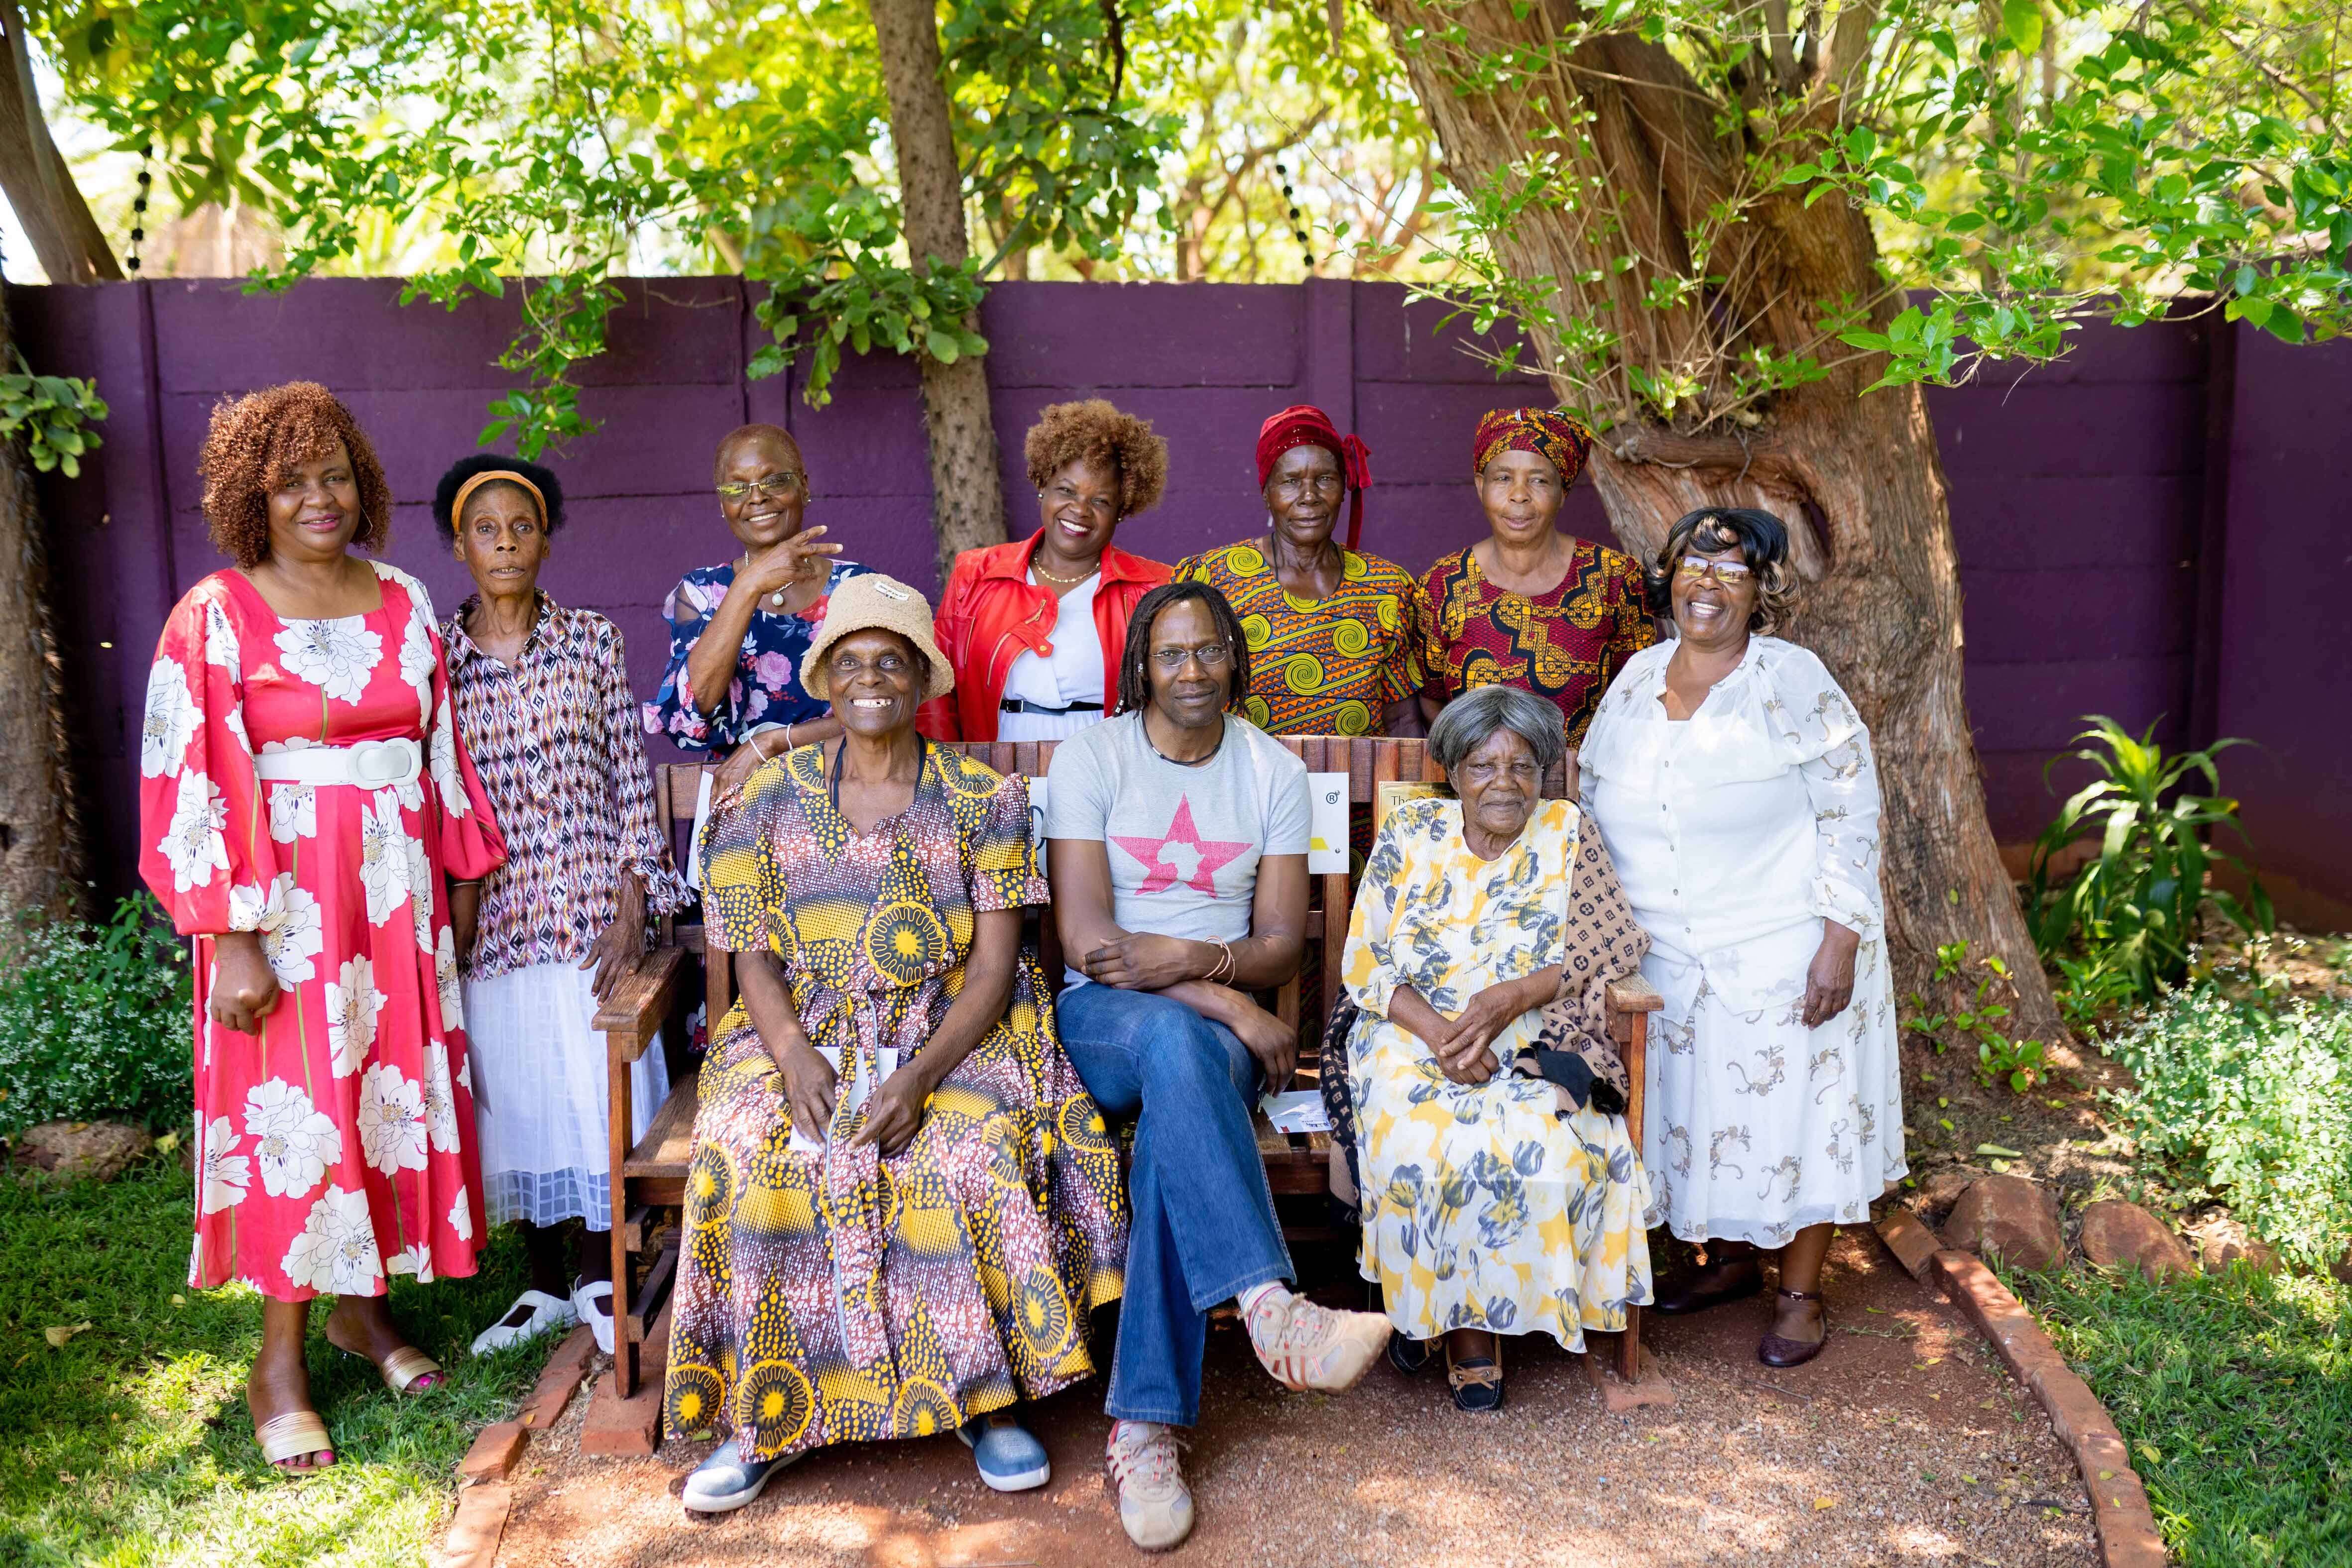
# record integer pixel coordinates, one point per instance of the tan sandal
(297, 1434)
(404, 1366)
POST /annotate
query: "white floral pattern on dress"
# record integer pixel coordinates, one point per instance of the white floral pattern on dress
(352, 1003)
(416, 660)
(441, 759)
(416, 1258)
(170, 719)
(335, 655)
(384, 856)
(293, 941)
(293, 1139)
(293, 811)
(336, 1252)
(221, 647)
(440, 1101)
(461, 1218)
(226, 1173)
(392, 1120)
(453, 989)
(193, 843)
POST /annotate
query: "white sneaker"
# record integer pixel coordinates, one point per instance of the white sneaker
(534, 1312)
(1155, 1506)
(1305, 1346)
(592, 1300)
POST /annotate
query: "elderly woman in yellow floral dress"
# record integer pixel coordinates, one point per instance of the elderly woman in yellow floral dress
(902, 1202)
(1501, 1194)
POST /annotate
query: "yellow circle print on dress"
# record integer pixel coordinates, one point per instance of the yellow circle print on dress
(774, 1398)
(1045, 1314)
(710, 1184)
(1083, 1127)
(694, 1396)
(1302, 674)
(1351, 637)
(904, 941)
(922, 1409)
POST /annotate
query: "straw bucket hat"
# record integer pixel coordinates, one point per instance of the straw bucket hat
(874, 602)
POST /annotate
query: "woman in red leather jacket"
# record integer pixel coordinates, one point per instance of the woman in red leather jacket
(1015, 679)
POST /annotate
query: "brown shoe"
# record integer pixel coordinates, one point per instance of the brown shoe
(1734, 1280)
(1773, 1350)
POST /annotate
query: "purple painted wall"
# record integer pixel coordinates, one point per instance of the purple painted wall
(2084, 496)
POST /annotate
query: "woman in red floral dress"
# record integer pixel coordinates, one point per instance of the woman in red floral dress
(303, 792)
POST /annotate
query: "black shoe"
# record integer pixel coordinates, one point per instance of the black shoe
(1734, 1281)
(1478, 1382)
(1410, 1357)
(1773, 1350)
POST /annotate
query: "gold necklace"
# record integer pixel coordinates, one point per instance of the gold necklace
(1056, 577)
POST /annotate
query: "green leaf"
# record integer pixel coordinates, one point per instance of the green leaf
(941, 347)
(2022, 20)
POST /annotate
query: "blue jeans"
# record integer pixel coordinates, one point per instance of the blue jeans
(1203, 1224)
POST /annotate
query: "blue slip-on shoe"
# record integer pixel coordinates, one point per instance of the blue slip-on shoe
(1010, 1460)
(726, 1481)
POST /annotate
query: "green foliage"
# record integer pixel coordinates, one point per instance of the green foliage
(2026, 167)
(49, 412)
(2249, 1105)
(1976, 1016)
(95, 1020)
(565, 138)
(130, 1444)
(2131, 912)
(2233, 1392)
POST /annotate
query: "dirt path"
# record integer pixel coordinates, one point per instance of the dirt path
(1903, 1444)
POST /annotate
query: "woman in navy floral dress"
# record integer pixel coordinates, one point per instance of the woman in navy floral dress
(739, 631)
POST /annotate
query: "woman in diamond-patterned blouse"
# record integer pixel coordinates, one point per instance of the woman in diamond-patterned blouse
(543, 698)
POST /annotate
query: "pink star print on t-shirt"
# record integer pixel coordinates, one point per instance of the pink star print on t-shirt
(1209, 855)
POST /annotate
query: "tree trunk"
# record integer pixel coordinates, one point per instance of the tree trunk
(967, 495)
(66, 237)
(1856, 478)
(38, 842)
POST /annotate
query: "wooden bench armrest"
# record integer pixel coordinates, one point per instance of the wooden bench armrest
(634, 1014)
(1632, 994)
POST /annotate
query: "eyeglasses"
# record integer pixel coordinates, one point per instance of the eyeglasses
(1213, 656)
(773, 484)
(1730, 573)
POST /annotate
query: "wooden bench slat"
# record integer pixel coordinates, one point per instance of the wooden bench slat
(668, 1144)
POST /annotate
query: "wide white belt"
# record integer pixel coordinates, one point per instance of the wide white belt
(369, 764)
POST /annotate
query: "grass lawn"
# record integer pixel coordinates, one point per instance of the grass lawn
(2235, 1394)
(131, 1444)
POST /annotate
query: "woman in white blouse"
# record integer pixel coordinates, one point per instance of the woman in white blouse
(1732, 783)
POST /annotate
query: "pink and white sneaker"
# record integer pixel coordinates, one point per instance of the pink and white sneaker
(1305, 1346)
(1155, 1506)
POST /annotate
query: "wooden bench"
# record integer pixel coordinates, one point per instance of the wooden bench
(651, 1177)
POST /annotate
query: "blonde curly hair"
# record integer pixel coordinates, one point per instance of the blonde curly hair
(256, 441)
(1094, 432)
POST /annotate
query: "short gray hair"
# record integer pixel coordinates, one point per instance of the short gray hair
(1471, 719)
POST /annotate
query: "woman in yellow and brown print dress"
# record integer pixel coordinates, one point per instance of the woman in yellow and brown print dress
(1501, 1192)
(902, 1204)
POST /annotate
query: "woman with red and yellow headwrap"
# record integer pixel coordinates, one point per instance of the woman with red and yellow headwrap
(1331, 633)
(1530, 606)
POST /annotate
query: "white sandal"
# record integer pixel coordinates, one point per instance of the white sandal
(593, 1301)
(545, 1312)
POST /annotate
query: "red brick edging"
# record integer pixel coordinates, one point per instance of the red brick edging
(2120, 1511)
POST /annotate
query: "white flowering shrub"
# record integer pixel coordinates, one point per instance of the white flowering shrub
(94, 1020)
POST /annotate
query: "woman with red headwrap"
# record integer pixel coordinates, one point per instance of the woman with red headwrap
(1527, 605)
(1331, 633)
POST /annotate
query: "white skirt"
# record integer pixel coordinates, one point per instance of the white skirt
(540, 1092)
(1758, 1126)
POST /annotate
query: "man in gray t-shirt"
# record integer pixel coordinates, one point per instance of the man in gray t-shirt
(1184, 841)
(1179, 869)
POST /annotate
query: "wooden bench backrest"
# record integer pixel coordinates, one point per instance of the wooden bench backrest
(1367, 762)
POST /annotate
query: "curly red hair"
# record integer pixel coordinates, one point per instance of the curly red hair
(255, 440)
(1094, 432)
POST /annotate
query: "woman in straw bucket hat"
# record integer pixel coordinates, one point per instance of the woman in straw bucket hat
(921, 1251)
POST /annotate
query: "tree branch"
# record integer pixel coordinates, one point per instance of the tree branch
(66, 238)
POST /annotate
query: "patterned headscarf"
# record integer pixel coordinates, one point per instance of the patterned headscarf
(1304, 425)
(1559, 439)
